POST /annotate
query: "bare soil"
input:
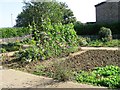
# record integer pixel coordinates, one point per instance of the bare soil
(85, 61)
(89, 60)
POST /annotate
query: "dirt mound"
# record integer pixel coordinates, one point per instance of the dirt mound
(90, 59)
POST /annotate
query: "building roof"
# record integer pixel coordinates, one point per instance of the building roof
(112, 0)
(106, 1)
(100, 3)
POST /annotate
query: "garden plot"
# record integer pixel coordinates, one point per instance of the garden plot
(66, 68)
(84, 61)
(91, 59)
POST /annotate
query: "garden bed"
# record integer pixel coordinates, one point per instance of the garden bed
(65, 69)
(91, 59)
(85, 61)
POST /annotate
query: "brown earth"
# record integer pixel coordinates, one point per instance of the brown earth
(89, 60)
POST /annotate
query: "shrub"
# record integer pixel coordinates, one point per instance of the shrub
(28, 55)
(29, 41)
(105, 34)
(13, 32)
(52, 40)
(61, 73)
(2, 50)
(83, 41)
(55, 71)
(10, 47)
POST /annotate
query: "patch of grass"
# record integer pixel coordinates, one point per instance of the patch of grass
(57, 72)
(108, 76)
(61, 73)
(98, 43)
(112, 43)
(40, 70)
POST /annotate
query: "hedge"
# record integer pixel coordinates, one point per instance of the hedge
(13, 32)
(93, 29)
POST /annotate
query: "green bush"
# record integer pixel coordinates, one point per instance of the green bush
(29, 41)
(108, 76)
(83, 41)
(2, 50)
(93, 29)
(13, 32)
(105, 34)
(28, 54)
(52, 40)
(60, 73)
(10, 47)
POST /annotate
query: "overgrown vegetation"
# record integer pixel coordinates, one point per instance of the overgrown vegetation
(98, 43)
(104, 39)
(58, 72)
(28, 41)
(108, 76)
(51, 40)
(10, 47)
(13, 32)
(93, 29)
(105, 34)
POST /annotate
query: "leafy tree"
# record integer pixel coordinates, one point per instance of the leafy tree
(38, 11)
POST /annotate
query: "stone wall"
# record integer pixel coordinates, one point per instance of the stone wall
(14, 39)
(108, 12)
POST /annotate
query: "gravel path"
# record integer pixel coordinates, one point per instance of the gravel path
(17, 79)
(100, 48)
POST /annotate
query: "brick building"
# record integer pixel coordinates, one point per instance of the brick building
(108, 11)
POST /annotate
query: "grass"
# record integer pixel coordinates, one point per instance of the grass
(59, 73)
(39, 70)
(113, 43)
(98, 43)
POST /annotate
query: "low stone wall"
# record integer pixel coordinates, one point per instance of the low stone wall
(14, 39)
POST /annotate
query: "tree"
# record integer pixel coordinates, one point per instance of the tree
(38, 11)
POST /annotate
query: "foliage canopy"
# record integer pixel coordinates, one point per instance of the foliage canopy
(39, 11)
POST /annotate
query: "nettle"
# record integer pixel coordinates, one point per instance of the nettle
(52, 40)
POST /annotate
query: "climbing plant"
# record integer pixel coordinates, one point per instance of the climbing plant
(51, 40)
